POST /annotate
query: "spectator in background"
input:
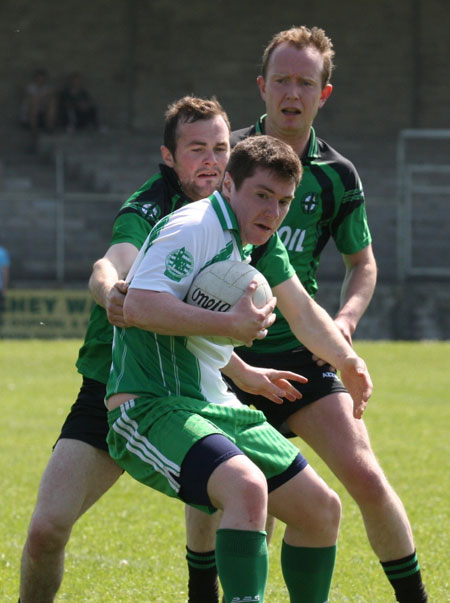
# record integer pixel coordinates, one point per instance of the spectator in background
(4, 278)
(78, 110)
(40, 104)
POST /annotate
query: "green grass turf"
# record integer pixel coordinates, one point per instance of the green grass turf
(130, 545)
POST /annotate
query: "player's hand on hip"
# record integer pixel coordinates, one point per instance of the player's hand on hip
(356, 379)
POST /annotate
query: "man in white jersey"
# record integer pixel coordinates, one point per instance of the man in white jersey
(173, 424)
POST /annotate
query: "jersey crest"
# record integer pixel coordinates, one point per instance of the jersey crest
(309, 203)
(151, 209)
(179, 263)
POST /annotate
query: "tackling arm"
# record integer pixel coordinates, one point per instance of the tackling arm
(106, 282)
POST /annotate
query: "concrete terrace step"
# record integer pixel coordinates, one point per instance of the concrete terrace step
(106, 163)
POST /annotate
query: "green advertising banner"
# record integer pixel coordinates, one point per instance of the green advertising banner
(45, 313)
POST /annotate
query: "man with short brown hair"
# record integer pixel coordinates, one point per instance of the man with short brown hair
(176, 428)
(80, 469)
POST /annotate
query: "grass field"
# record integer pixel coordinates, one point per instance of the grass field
(130, 546)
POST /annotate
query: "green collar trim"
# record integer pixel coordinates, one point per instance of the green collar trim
(227, 217)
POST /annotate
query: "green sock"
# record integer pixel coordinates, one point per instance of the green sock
(243, 563)
(307, 572)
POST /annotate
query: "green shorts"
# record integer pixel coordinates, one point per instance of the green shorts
(150, 437)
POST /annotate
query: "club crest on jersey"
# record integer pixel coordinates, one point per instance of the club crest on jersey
(309, 203)
(151, 209)
(179, 263)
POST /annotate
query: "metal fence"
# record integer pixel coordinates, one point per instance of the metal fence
(55, 237)
(423, 209)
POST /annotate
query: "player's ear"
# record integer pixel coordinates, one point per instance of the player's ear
(325, 94)
(262, 86)
(227, 184)
(167, 156)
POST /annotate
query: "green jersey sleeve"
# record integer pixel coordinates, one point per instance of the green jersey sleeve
(351, 230)
(274, 262)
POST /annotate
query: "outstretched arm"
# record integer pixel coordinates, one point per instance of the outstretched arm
(356, 292)
(313, 326)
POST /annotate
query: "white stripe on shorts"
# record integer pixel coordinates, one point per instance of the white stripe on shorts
(140, 446)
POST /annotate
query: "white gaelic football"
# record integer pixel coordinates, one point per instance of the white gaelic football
(220, 285)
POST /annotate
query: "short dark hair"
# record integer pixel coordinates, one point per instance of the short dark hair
(188, 110)
(264, 152)
(302, 37)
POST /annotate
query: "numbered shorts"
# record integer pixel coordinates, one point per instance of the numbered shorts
(87, 420)
(322, 381)
(164, 443)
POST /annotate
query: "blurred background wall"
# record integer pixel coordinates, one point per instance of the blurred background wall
(136, 56)
(393, 59)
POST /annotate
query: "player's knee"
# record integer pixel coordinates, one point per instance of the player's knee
(316, 519)
(46, 536)
(253, 494)
(328, 509)
(369, 485)
(324, 516)
(247, 498)
(334, 509)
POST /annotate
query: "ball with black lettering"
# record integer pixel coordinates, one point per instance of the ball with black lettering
(220, 285)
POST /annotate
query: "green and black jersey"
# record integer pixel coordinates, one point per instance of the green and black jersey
(329, 202)
(157, 197)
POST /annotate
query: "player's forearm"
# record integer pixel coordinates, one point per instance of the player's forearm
(165, 314)
(236, 368)
(315, 328)
(104, 276)
(357, 288)
(356, 292)
(311, 324)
